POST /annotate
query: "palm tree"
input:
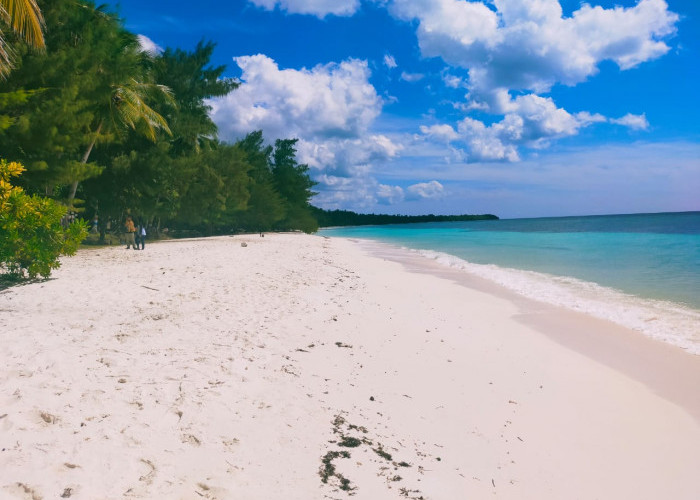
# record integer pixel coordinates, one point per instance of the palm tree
(128, 109)
(25, 19)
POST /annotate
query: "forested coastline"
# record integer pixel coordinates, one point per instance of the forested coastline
(110, 130)
(327, 218)
(95, 129)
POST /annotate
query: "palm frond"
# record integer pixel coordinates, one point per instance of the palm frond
(24, 17)
(5, 58)
(130, 108)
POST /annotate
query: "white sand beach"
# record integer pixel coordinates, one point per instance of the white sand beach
(302, 367)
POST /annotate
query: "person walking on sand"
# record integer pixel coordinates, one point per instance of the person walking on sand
(130, 230)
(136, 236)
(142, 235)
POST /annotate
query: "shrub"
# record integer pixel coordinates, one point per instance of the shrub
(31, 235)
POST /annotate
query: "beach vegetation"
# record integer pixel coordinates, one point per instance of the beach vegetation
(328, 218)
(95, 83)
(33, 231)
(109, 129)
(25, 20)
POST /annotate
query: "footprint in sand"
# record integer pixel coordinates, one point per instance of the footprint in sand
(189, 438)
(70, 491)
(230, 444)
(48, 418)
(148, 477)
(23, 491)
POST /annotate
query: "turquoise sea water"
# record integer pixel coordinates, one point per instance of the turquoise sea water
(642, 271)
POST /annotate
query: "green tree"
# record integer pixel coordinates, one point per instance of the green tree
(10, 101)
(213, 188)
(192, 82)
(25, 19)
(86, 117)
(126, 107)
(50, 134)
(154, 180)
(266, 207)
(31, 235)
(294, 185)
(96, 83)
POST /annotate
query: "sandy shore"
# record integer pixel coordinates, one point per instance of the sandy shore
(300, 367)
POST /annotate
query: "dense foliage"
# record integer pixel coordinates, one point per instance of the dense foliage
(33, 236)
(24, 18)
(327, 218)
(110, 130)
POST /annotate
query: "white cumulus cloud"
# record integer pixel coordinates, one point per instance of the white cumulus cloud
(452, 81)
(587, 118)
(347, 157)
(327, 101)
(634, 122)
(487, 143)
(442, 132)
(389, 61)
(529, 45)
(329, 108)
(319, 8)
(388, 195)
(425, 190)
(529, 120)
(412, 77)
(523, 48)
(360, 193)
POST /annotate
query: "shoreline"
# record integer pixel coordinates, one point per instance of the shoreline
(674, 323)
(621, 348)
(203, 368)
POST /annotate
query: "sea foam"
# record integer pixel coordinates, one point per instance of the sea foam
(661, 320)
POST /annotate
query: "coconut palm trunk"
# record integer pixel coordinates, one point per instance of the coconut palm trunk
(84, 160)
(128, 109)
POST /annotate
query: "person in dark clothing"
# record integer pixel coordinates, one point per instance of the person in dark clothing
(141, 236)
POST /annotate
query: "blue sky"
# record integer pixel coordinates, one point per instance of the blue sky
(521, 108)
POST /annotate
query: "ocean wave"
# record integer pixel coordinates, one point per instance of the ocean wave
(665, 321)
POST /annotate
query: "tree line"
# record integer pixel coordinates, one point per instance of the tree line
(327, 218)
(109, 130)
(93, 128)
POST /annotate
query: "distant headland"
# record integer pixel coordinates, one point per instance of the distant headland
(328, 218)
